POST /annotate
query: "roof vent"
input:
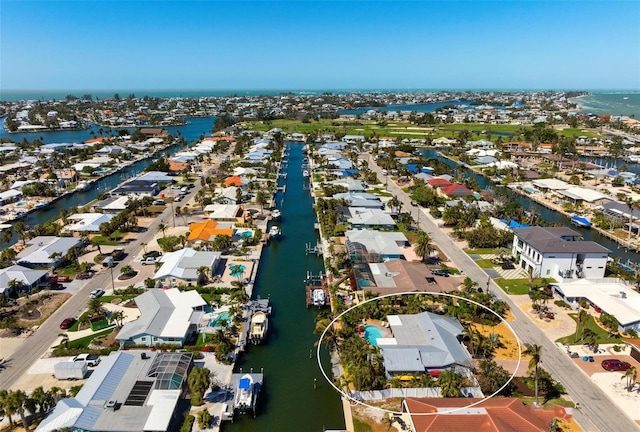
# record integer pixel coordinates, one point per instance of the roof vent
(111, 405)
(623, 294)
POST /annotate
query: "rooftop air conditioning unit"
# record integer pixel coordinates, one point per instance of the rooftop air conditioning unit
(623, 294)
(111, 404)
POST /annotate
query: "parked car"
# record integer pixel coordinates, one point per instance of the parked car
(152, 254)
(89, 359)
(67, 323)
(59, 278)
(148, 260)
(615, 365)
(439, 272)
(96, 293)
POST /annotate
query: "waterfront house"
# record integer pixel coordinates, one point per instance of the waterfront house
(370, 218)
(228, 195)
(166, 316)
(127, 392)
(438, 182)
(234, 181)
(375, 246)
(137, 188)
(182, 267)
(206, 231)
(160, 177)
(423, 343)
(360, 199)
(224, 212)
(581, 195)
(47, 251)
(491, 415)
(25, 277)
(112, 204)
(351, 184)
(395, 276)
(558, 252)
(10, 196)
(455, 190)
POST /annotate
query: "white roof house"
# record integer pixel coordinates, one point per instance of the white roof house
(127, 392)
(610, 296)
(591, 196)
(377, 246)
(40, 250)
(88, 222)
(370, 218)
(423, 342)
(166, 316)
(27, 276)
(551, 183)
(183, 265)
(223, 212)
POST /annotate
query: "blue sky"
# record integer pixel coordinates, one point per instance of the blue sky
(319, 45)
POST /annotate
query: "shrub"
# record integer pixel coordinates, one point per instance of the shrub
(561, 303)
(187, 424)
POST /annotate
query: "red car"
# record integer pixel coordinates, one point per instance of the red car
(615, 365)
(67, 323)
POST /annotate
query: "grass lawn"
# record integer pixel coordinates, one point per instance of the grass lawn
(84, 342)
(111, 298)
(529, 400)
(516, 286)
(602, 336)
(104, 241)
(485, 263)
(480, 251)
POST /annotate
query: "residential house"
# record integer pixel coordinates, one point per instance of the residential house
(395, 276)
(456, 190)
(166, 317)
(375, 246)
(206, 231)
(137, 188)
(423, 343)
(127, 392)
(181, 267)
(558, 252)
(47, 251)
(491, 415)
(360, 199)
(112, 204)
(87, 222)
(369, 218)
(228, 195)
(26, 277)
(224, 212)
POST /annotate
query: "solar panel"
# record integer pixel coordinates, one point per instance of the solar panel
(139, 393)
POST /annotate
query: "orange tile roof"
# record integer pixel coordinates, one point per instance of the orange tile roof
(500, 414)
(233, 181)
(205, 230)
(178, 166)
(97, 140)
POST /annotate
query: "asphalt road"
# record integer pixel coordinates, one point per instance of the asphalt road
(597, 411)
(39, 342)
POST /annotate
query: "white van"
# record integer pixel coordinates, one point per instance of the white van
(384, 172)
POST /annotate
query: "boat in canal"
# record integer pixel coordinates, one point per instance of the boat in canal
(319, 298)
(275, 215)
(581, 222)
(259, 327)
(275, 232)
(247, 389)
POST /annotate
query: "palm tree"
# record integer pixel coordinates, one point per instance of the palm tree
(64, 341)
(22, 230)
(450, 383)
(162, 227)
(583, 319)
(95, 308)
(423, 247)
(144, 246)
(262, 198)
(535, 351)
(203, 274)
(630, 375)
(395, 203)
(631, 204)
(117, 317)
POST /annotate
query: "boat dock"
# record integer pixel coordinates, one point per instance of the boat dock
(314, 284)
(246, 390)
(316, 250)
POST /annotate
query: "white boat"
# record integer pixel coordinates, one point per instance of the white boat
(305, 173)
(276, 214)
(275, 231)
(245, 397)
(83, 185)
(41, 204)
(318, 298)
(259, 327)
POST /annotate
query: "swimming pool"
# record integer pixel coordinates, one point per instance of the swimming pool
(219, 317)
(372, 333)
(530, 190)
(237, 270)
(244, 233)
(21, 204)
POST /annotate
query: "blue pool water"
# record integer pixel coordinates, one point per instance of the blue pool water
(221, 316)
(530, 190)
(239, 270)
(21, 204)
(372, 333)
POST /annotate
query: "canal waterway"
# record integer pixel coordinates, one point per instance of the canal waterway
(288, 401)
(544, 213)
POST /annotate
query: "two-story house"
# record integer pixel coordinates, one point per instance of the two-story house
(558, 252)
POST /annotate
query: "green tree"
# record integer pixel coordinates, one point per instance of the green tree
(423, 246)
(450, 383)
(95, 308)
(221, 242)
(199, 381)
(162, 227)
(204, 419)
(630, 375)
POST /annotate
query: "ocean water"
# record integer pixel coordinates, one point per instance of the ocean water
(615, 103)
